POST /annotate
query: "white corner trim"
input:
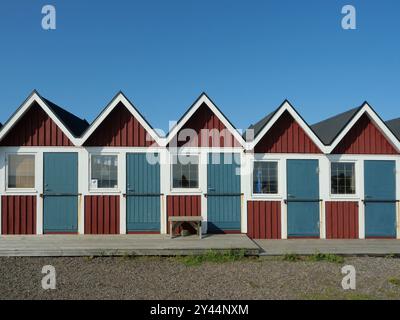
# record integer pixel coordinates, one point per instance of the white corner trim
(204, 99)
(120, 98)
(34, 97)
(287, 107)
(382, 127)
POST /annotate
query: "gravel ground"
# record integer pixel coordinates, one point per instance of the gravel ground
(170, 278)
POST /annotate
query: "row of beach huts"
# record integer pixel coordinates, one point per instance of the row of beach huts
(281, 178)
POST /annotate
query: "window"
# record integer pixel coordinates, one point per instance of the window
(104, 172)
(343, 178)
(265, 177)
(185, 171)
(21, 171)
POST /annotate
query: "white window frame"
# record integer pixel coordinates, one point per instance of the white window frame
(277, 195)
(185, 190)
(104, 190)
(339, 195)
(20, 190)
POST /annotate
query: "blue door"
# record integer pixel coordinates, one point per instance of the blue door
(303, 204)
(223, 194)
(60, 197)
(380, 199)
(143, 193)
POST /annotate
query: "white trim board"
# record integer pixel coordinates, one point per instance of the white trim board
(286, 106)
(199, 102)
(120, 98)
(377, 121)
(35, 97)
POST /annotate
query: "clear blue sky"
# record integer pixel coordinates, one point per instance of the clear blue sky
(247, 55)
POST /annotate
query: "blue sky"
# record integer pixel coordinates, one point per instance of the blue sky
(247, 55)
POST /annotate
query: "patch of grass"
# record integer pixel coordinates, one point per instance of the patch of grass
(390, 256)
(358, 296)
(89, 258)
(339, 296)
(326, 257)
(292, 257)
(213, 257)
(394, 281)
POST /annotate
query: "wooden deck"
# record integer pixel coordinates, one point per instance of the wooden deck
(120, 245)
(162, 245)
(371, 247)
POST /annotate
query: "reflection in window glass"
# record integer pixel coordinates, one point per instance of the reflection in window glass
(21, 171)
(185, 171)
(265, 177)
(343, 178)
(104, 172)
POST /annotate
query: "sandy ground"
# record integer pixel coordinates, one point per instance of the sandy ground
(171, 278)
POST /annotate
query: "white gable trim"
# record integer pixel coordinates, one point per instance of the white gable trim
(34, 97)
(114, 102)
(287, 107)
(382, 127)
(204, 99)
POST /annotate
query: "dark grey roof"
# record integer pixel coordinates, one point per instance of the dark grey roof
(260, 124)
(330, 128)
(394, 126)
(74, 124)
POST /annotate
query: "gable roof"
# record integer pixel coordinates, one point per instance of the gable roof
(374, 117)
(394, 125)
(69, 124)
(203, 99)
(257, 127)
(328, 129)
(75, 124)
(120, 98)
(265, 124)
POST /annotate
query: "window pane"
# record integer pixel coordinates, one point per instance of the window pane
(104, 170)
(343, 178)
(265, 177)
(185, 172)
(21, 171)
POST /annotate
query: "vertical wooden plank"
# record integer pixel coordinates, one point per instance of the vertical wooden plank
(100, 215)
(117, 214)
(250, 220)
(4, 213)
(263, 220)
(94, 216)
(23, 215)
(108, 214)
(31, 216)
(87, 214)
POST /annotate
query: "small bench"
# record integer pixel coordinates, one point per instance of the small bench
(177, 221)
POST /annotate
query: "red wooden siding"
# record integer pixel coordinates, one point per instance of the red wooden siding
(264, 219)
(364, 138)
(183, 206)
(208, 131)
(341, 220)
(120, 129)
(36, 128)
(18, 215)
(286, 136)
(102, 214)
